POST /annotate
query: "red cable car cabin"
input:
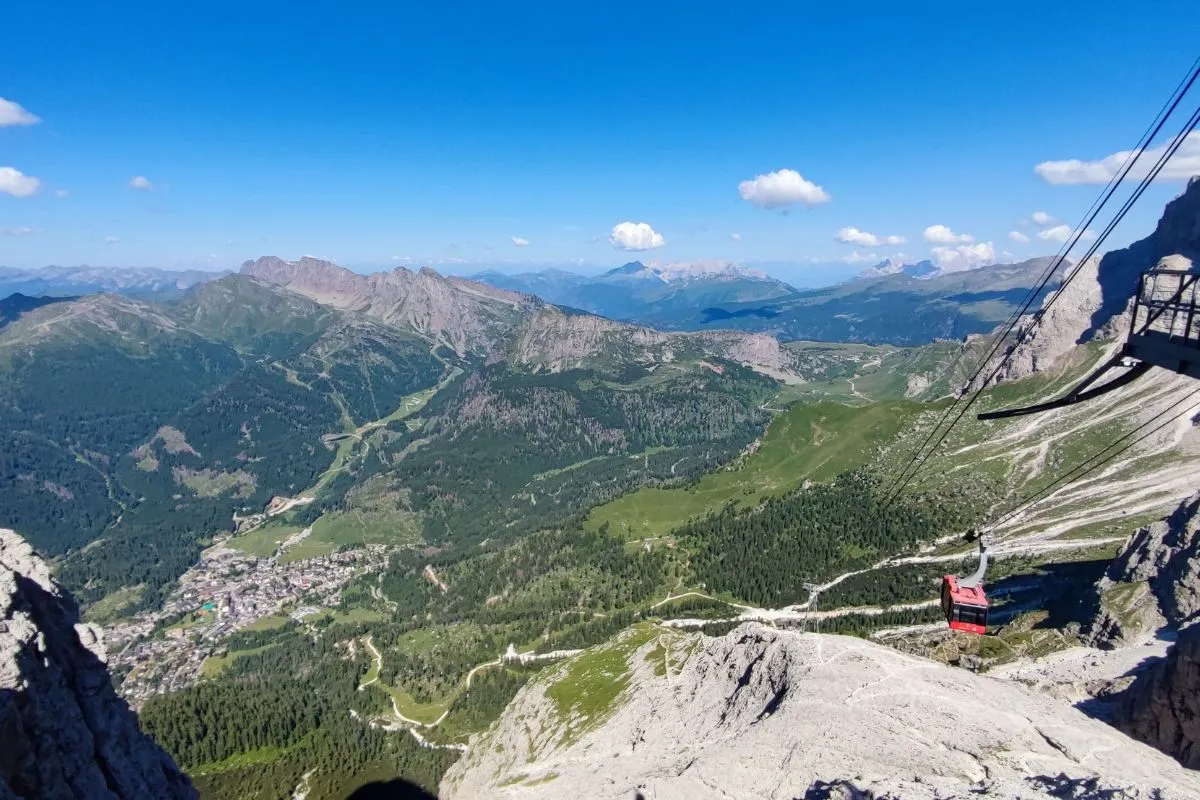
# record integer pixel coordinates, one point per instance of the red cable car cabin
(965, 607)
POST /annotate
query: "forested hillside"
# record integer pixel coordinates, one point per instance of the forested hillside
(193, 425)
(329, 548)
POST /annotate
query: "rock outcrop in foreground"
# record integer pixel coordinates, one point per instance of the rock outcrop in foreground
(64, 732)
(1154, 582)
(1154, 586)
(761, 713)
(1162, 706)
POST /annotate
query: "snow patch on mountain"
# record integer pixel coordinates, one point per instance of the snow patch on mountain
(688, 271)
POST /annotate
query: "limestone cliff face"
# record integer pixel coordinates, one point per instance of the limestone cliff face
(1162, 706)
(1155, 581)
(64, 732)
(1093, 305)
(762, 713)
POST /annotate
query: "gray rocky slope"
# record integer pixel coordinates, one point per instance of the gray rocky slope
(472, 317)
(1154, 582)
(64, 732)
(1155, 585)
(1162, 705)
(761, 713)
(1094, 304)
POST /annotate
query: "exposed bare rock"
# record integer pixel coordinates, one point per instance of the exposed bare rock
(756, 350)
(1093, 305)
(917, 385)
(1162, 707)
(466, 316)
(554, 340)
(478, 318)
(1155, 581)
(762, 713)
(64, 732)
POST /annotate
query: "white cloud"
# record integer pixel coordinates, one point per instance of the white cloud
(21, 231)
(737, 237)
(16, 183)
(11, 113)
(858, 258)
(964, 257)
(1017, 236)
(781, 189)
(111, 240)
(1183, 165)
(61, 193)
(141, 182)
(853, 235)
(1041, 218)
(519, 242)
(940, 234)
(1061, 233)
(635, 236)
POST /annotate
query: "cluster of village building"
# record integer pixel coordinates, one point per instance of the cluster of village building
(163, 650)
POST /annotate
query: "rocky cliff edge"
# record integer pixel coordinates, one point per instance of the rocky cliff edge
(1154, 582)
(761, 713)
(64, 731)
(1094, 304)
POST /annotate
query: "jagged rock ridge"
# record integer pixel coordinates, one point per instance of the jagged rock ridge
(761, 713)
(64, 732)
(1155, 584)
(1155, 581)
(466, 316)
(1094, 303)
(476, 318)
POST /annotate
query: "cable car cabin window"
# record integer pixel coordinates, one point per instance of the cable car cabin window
(972, 615)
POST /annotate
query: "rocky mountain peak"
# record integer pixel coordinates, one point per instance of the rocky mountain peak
(711, 270)
(764, 713)
(894, 266)
(434, 306)
(1093, 304)
(64, 731)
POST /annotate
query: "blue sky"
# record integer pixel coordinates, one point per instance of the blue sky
(437, 132)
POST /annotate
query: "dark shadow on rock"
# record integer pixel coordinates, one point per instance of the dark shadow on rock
(1119, 270)
(395, 789)
(1076, 788)
(837, 790)
(1058, 589)
(65, 730)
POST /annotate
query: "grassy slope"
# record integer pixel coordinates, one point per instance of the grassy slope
(808, 442)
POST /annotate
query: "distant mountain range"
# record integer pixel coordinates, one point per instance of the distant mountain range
(893, 302)
(638, 291)
(900, 308)
(891, 266)
(136, 282)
